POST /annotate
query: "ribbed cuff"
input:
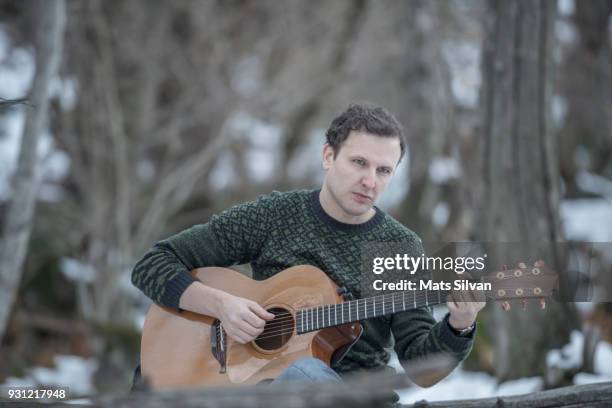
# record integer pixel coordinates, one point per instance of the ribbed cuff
(175, 288)
(458, 344)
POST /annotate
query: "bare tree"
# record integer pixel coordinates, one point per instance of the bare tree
(147, 127)
(521, 201)
(154, 111)
(50, 17)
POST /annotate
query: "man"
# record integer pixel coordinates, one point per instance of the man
(322, 228)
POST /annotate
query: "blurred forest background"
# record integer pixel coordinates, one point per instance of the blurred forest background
(142, 118)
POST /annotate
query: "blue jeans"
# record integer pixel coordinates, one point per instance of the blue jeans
(308, 369)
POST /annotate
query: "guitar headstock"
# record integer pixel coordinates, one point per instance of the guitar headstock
(522, 282)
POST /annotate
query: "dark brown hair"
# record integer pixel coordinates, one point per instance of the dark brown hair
(367, 117)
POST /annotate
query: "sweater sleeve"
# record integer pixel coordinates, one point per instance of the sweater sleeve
(417, 334)
(232, 237)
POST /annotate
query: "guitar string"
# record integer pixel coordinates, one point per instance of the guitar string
(289, 316)
(281, 328)
(286, 325)
(507, 277)
(288, 328)
(387, 299)
(390, 300)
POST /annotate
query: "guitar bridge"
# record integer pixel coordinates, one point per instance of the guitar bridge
(218, 345)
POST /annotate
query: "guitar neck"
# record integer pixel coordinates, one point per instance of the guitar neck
(320, 317)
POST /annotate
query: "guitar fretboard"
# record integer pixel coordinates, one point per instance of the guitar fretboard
(320, 317)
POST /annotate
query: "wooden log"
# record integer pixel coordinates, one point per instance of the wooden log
(589, 395)
(363, 392)
(360, 393)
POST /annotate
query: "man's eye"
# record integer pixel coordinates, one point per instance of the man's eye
(384, 171)
(359, 162)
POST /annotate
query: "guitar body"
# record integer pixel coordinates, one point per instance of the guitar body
(185, 349)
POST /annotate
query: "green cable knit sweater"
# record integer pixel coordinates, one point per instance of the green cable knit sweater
(281, 230)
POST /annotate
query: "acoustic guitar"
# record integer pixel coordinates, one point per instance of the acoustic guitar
(312, 319)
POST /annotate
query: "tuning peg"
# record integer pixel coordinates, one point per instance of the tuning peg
(522, 265)
(505, 267)
(505, 306)
(524, 304)
(542, 303)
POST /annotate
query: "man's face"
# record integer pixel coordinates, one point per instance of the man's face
(360, 172)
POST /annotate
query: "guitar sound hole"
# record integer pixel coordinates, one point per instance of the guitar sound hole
(277, 331)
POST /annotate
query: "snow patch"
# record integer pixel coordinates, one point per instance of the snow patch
(443, 169)
(594, 183)
(11, 129)
(566, 7)
(70, 371)
(559, 110)
(603, 359)
(587, 219)
(585, 308)
(223, 174)
(570, 356)
(520, 386)
(66, 90)
(440, 214)
(246, 78)
(463, 59)
(566, 32)
(16, 68)
(586, 378)
(77, 271)
(457, 385)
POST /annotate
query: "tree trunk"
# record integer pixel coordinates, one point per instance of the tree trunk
(521, 202)
(429, 126)
(50, 17)
(585, 82)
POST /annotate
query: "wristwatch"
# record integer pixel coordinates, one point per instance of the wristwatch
(463, 332)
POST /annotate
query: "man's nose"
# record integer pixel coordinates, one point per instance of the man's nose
(369, 181)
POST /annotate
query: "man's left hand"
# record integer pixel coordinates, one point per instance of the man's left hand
(463, 310)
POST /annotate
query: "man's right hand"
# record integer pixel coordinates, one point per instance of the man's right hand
(242, 319)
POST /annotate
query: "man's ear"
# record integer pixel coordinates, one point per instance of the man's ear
(328, 156)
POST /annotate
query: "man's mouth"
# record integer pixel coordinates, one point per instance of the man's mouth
(362, 197)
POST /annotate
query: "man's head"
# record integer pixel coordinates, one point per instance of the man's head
(367, 118)
(364, 146)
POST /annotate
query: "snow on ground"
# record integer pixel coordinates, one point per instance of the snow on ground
(603, 359)
(587, 219)
(461, 384)
(594, 183)
(586, 378)
(570, 356)
(72, 371)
